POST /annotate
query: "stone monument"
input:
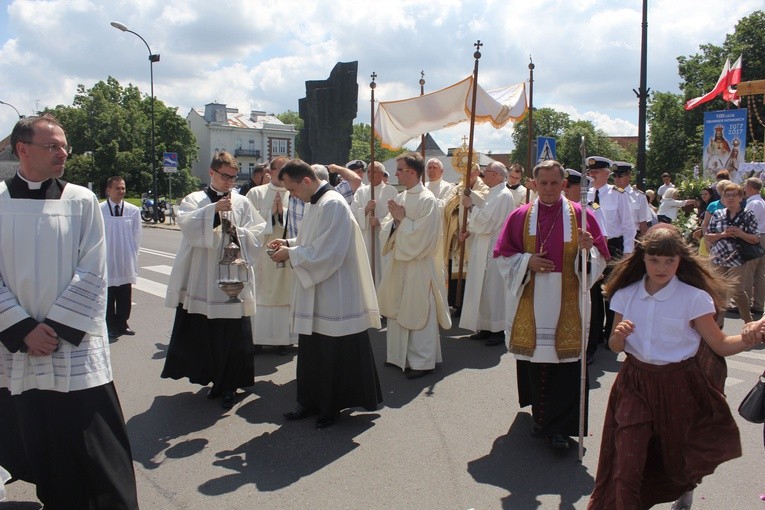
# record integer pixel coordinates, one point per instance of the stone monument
(328, 111)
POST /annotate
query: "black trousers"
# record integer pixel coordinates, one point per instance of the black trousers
(118, 304)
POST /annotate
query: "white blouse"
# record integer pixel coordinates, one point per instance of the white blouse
(663, 332)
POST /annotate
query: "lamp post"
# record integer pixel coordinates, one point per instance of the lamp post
(153, 57)
(9, 104)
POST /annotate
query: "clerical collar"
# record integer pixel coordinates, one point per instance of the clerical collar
(320, 192)
(214, 194)
(513, 186)
(30, 184)
(551, 205)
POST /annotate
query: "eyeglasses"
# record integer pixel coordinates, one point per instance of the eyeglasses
(731, 195)
(225, 177)
(52, 147)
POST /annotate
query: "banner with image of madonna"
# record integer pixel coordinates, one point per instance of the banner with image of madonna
(724, 143)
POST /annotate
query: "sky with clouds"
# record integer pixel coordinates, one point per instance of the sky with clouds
(258, 54)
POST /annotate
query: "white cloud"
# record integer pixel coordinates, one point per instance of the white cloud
(259, 54)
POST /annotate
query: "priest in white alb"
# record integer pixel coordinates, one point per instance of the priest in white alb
(443, 191)
(61, 426)
(271, 323)
(483, 308)
(538, 253)
(333, 302)
(412, 294)
(368, 213)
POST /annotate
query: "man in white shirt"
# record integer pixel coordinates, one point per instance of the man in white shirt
(666, 180)
(620, 227)
(755, 269)
(122, 223)
(641, 214)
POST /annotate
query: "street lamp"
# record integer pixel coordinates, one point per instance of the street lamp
(153, 57)
(9, 104)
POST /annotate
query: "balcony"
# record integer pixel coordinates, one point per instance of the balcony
(250, 153)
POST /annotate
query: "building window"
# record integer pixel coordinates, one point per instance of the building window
(279, 146)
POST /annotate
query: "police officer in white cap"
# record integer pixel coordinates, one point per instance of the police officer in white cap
(641, 214)
(620, 227)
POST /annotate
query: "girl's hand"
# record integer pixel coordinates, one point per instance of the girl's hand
(619, 334)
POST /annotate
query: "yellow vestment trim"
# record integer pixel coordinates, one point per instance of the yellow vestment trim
(568, 332)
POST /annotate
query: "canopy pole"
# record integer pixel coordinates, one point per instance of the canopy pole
(372, 86)
(468, 170)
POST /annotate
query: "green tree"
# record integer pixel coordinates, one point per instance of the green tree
(597, 143)
(670, 149)
(700, 72)
(293, 117)
(546, 122)
(109, 128)
(361, 148)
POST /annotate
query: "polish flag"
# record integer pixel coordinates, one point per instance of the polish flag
(734, 77)
(720, 87)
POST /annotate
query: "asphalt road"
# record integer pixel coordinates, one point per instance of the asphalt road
(455, 439)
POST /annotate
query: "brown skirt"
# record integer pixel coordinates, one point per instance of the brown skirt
(666, 427)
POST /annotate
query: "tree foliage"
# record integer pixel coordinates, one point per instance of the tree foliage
(361, 147)
(109, 128)
(671, 150)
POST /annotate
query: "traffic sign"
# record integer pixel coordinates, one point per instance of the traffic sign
(170, 162)
(545, 148)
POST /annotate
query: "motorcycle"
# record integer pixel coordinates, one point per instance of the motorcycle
(147, 208)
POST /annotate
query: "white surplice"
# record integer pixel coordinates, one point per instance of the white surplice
(53, 266)
(333, 293)
(193, 280)
(271, 322)
(412, 294)
(123, 239)
(383, 193)
(483, 307)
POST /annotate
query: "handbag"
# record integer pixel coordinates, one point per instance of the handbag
(752, 408)
(750, 251)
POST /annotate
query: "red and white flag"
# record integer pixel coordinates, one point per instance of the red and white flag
(734, 77)
(729, 76)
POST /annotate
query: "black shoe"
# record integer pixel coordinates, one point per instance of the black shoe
(324, 421)
(536, 430)
(282, 350)
(480, 335)
(114, 334)
(495, 339)
(559, 442)
(213, 393)
(590, 358)
(299, 413)
(128, 332)
(416, 374)
(733, 310)
(228, 400)
(754, 311)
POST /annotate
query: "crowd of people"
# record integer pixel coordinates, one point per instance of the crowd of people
(320, 258)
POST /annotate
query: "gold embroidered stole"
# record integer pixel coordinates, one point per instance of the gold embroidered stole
(568, 333)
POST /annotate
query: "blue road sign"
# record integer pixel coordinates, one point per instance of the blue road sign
(170, 162)
(545, 148)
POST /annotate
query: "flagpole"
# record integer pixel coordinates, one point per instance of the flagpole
(424, 135)
(584, 312)
(372, 236)
(466, 191)
(531, 129)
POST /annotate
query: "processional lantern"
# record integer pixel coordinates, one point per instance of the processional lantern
(233, 270)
